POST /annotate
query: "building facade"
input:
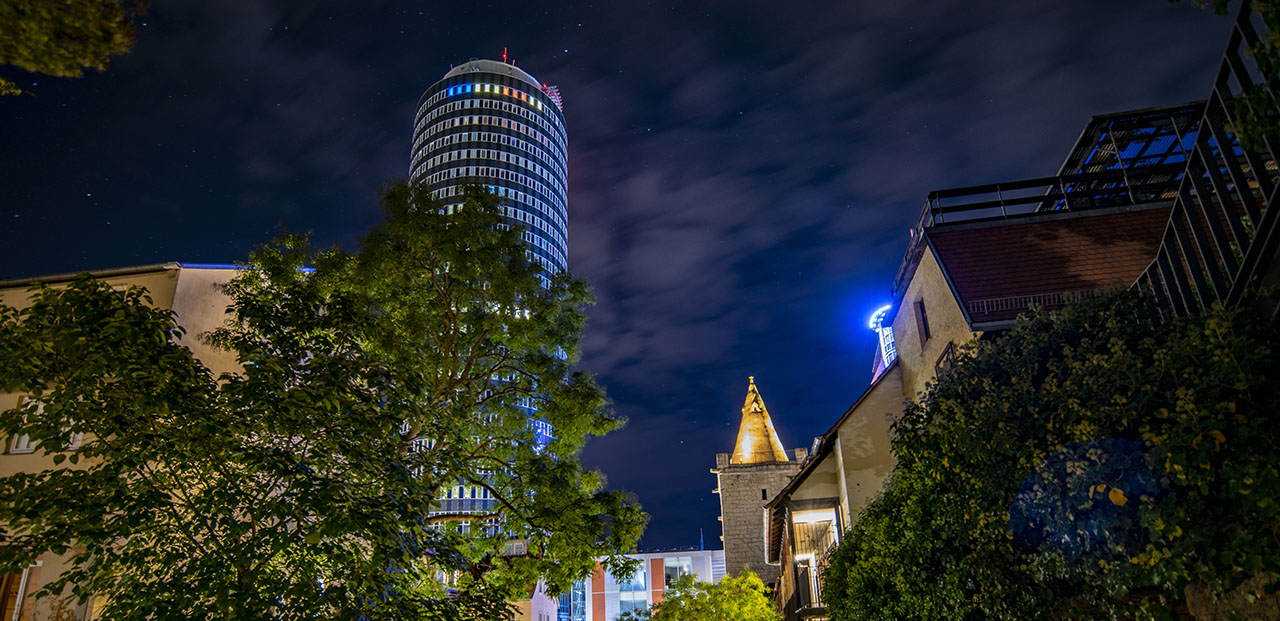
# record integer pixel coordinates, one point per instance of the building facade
(603, 596)
(1166, 200)
(491, 124)
(189, 290)
(972, 266)
(746, 480)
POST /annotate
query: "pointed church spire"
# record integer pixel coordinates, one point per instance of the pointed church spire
(757, 440)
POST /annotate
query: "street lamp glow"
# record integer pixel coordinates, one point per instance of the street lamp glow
(878, 316)
(888, 350)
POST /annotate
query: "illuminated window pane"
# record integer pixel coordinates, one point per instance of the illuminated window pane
(637, 583)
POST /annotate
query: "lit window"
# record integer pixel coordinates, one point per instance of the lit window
(674, 567)
(636, 583)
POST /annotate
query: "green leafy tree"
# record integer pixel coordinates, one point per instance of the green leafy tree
(740, 598)
(64, 37)
(1092, 462)
(303, 486)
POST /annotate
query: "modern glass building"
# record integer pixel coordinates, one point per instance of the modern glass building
(490, 123)
(603, 596)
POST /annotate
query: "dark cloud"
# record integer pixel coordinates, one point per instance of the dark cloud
(742, 174)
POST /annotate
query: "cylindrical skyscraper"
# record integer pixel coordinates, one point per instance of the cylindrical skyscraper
(492, 124)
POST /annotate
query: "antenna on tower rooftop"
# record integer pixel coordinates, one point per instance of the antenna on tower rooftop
(504, 54)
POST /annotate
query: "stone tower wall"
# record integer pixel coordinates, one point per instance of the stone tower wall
(744, 490)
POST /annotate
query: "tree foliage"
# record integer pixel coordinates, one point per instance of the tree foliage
(302, 487)
(1094, 461)
(64, 37)
(740, 598)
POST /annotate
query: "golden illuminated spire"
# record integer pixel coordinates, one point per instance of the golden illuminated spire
(757, 440)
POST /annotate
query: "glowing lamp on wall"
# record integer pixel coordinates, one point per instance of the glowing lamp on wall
(888, 351)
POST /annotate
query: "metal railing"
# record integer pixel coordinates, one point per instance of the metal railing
(808, 588)
(987, 306)
(1073, 192)
(1222, 232)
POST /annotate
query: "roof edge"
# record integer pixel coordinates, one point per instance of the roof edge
(492, 66)
(101, 273)
(116, 271)
(824, 444)
(1047, 216)
(951, 284)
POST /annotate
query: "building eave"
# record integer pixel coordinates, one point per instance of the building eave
(112, 272)
(775, 509)
(102, 273)
(992, 326)
(951, 285)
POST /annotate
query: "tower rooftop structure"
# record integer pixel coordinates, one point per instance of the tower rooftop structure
(745, 481)
(493, 66)
(492, 124)
(757, 439)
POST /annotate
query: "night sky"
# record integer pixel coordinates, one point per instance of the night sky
(741, 175)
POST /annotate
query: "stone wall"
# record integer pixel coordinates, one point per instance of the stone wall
(1249, 601)
(744, 490)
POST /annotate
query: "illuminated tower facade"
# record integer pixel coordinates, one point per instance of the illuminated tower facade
(747, 479)
(492, 124)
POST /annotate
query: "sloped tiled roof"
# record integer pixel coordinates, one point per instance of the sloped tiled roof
(999, 268)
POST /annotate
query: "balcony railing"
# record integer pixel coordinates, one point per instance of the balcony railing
(1069, 192)
(1072, 192)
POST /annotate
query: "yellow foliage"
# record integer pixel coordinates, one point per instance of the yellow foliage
(1117, 497)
